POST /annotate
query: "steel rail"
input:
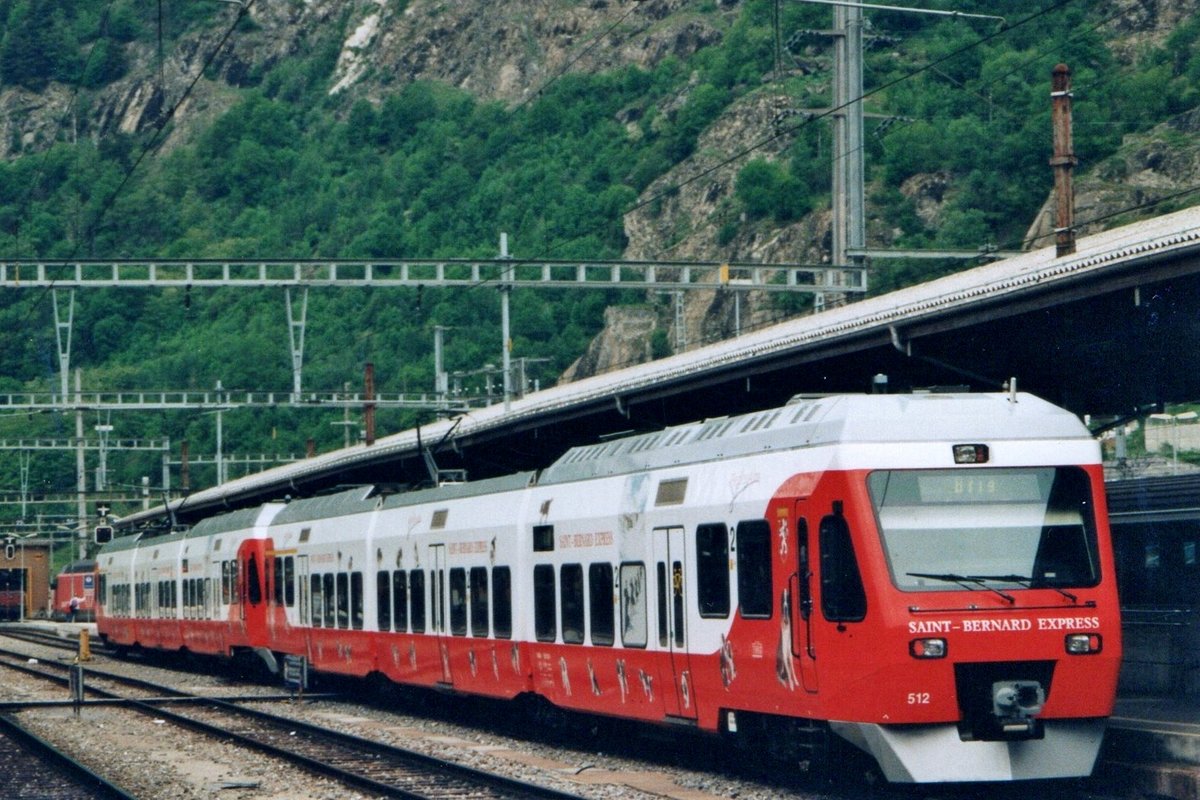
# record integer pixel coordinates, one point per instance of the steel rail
(384, 769)
(82, 782)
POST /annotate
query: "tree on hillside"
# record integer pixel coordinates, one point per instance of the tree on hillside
(37, 46)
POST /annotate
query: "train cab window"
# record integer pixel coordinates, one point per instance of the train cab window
(1031, 527)
(633, 605)
(712, 569)
(383, 600)
(479, 601)
(843, 598)
(544, 622)
(318, 601)
(754, 569)
(416, 588)
(502, 602)
(458, 601)
(600, 603)
(330, 600)
(572, 603)
(356, 601)
(400, 600)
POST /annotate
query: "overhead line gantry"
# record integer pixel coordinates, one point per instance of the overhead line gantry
(517, 273)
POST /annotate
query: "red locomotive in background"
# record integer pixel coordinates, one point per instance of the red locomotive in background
(928, 577)
(73, 592)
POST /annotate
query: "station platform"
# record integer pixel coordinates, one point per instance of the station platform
(65, 630)
(1152, 748)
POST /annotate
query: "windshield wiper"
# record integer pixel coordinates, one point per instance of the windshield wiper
(972, 582)
(1027, 582)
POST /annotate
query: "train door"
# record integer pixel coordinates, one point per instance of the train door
(800, 605)
(304, 599)
(251, 592)
(672, 590)
(437, 601)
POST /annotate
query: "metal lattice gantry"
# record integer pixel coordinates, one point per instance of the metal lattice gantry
(517, 273)
(503, 273)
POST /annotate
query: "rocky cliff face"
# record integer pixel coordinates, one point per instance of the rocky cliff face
(497, 51)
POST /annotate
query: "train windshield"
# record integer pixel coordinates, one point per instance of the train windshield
(987, 529)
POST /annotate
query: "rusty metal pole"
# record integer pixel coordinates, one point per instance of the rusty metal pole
(1063, 161)
(185, 467)
(369, 405)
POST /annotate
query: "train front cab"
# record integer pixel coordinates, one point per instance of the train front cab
(956, 626)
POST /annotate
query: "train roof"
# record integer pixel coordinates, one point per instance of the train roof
(813, 422)
(368, 498)
(351, 501)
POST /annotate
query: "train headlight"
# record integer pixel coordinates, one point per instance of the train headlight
(927, 648)
(1082, 644)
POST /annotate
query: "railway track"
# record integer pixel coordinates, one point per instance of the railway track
(47, 639)
(31, 767)
(380, 769)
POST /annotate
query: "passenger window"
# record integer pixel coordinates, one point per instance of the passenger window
(572, 603)
(544, 623)
(754, 569)
(502, 602)
(661, 574)
(479, 601)
(356, 601)
(253, 581)
(383, 600)
(343, 600)
(277, 595)
(416, 586)
(289, 581)
(330, 601)
(458, 601)
(400, 600)
(633, 605)
(318, 601)
(843, 598)
(712, 561)
(600, 603)
(543, 538)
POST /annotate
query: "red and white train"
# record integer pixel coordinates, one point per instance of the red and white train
(927, 576)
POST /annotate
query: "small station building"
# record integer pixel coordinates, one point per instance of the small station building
(24, 579)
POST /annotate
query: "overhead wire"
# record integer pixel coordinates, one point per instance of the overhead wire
(68, 113)
(784, 131)
(160, 126)
(933, 67)
(565, 67)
